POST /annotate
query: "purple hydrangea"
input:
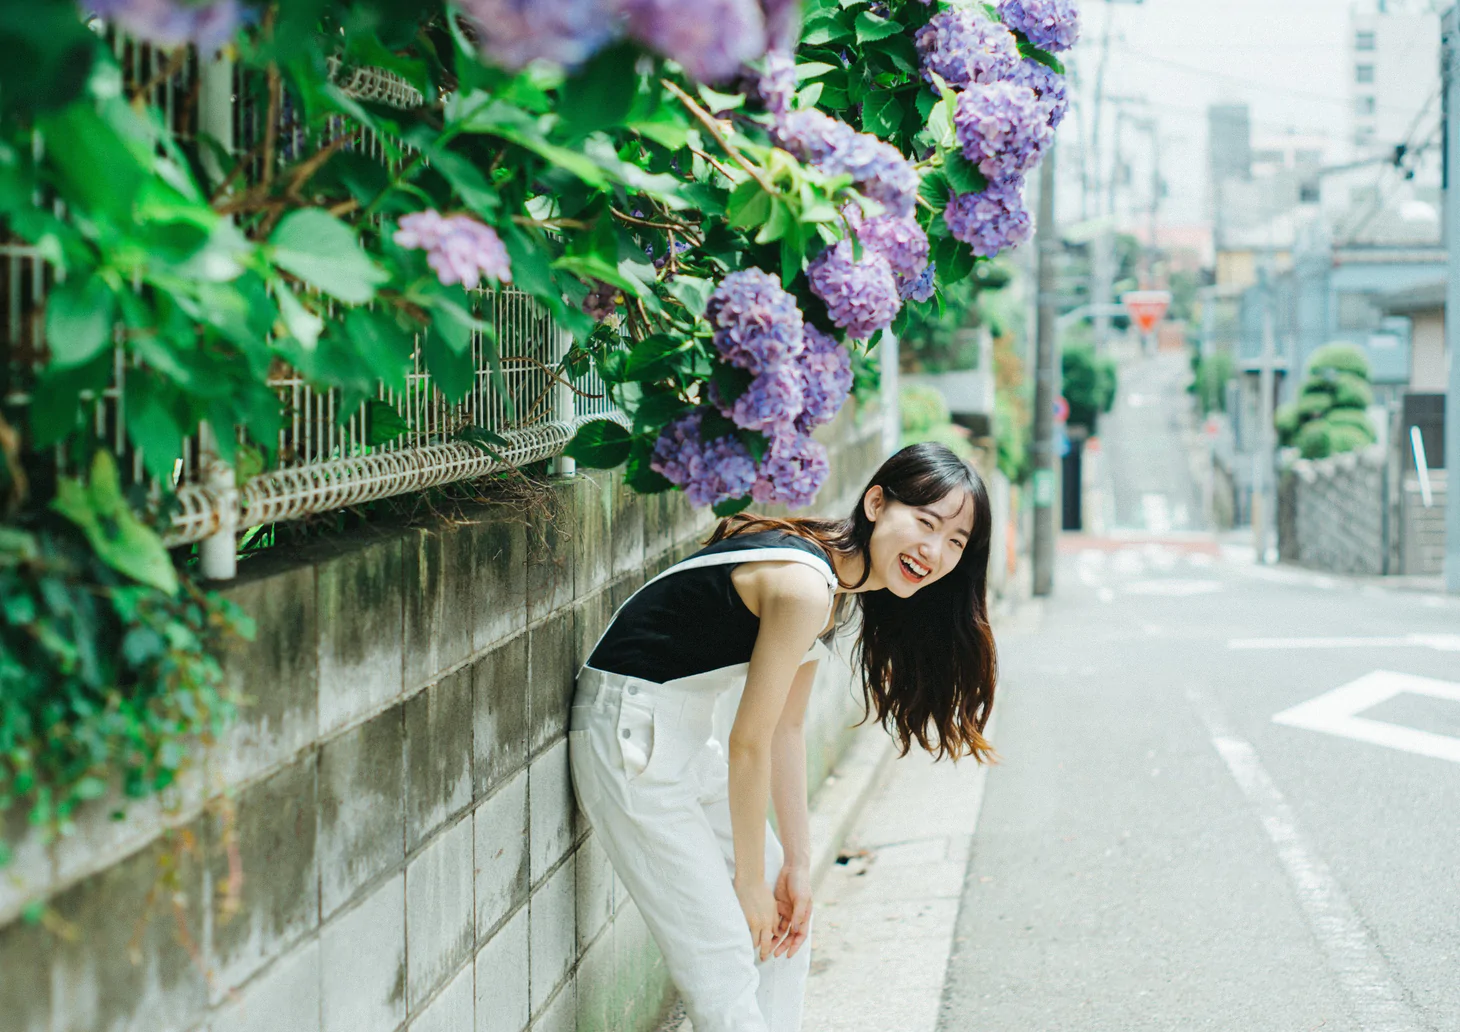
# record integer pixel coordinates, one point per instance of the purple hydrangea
(601, 301)
(921, 287)
(776, 84)
(792, 471)
(1047, 84)
(782, 23)
(990, 221)
(709, 471)
(825, 369)
(964, 47)
(861, 296)
(757, 323)
(513, 33)
(458, 247)
(1003, 128)
(710, 38)
(879, 169)
(898, 239)
(171, 23)
(1048, 24)
(770, 404)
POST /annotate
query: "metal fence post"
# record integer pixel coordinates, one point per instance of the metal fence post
(563, 406)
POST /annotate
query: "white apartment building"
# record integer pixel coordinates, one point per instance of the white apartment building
(1395, 78)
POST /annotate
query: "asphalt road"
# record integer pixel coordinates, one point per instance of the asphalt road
(1155, 851)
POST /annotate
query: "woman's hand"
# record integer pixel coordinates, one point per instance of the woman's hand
(760, 914)
(793, 905)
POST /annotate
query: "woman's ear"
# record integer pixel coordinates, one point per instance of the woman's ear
(873, 502)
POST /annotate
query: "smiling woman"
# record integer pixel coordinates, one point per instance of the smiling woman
(679, 802)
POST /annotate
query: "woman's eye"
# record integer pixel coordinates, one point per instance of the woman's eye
(926, 523)
(957, 544)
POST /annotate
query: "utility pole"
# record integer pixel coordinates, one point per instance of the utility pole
(1264, 493)
(1451, 73)
(1046, 368)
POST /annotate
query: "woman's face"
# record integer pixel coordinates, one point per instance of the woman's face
(914, 545)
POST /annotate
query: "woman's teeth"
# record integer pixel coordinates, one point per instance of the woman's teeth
(915, 569)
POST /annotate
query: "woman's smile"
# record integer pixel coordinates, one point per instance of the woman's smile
(913, 570)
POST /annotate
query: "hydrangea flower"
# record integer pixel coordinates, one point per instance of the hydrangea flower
(898, 239)
(770, 404)
(825, 369)
(990, 221)
(757, 323)
(878, 169)
(792, 471)
(1047, 84)
(458, 247)
(782, 23)
(709, 471)
(964, 47)
(171, 23)
(776, 84)
(861, 296)
(921, 287)
(1002, 127)
(1048, 24)
(710, 38)
(513, 33)
(601, 302)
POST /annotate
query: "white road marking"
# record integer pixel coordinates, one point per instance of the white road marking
(1174, 587)
(1438, 642)
(1156, 513)
(1336, 713)
(1377, 1001)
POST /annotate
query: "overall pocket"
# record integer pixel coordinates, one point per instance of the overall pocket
(634, 732)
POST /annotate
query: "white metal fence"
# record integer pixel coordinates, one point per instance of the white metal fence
(324, 463)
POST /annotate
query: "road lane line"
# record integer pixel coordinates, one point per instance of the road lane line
(1377, 1001)
(1438, 642)
(1336, 712)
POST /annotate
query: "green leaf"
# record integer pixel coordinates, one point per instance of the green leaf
(656, 357)
(655, 410)
(601, 444)
(485, 440)
(383, 423)
(670, 135)
(1044, 57)
(96, 169)
(452, 370)
(602, 93)
(467, 180)
(48, 56)
(115, 534)
(382, 346)
(750, 205)
(302, 324)
(325, 253)
(871, 28)
(717, 101)
(882, 113)
(157, 423)
(731, 506)
(691, 291)
(935, 190)
(79, 318)
(826, 29)
(963, 175)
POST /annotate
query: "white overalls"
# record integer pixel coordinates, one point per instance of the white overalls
(649, 767)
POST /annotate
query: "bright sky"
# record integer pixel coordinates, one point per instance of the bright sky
(1288, 59)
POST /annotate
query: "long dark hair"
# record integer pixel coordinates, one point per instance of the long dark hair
(928, 662)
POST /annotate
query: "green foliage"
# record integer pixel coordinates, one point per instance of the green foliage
(1089, 384)
(104, 683)
(1329, 415)
(925, 418)
(1011, 437)
(1210, 376)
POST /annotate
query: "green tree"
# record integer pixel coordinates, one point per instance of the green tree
(1329, 415)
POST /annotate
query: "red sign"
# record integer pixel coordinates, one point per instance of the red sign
(1146, 307)
(1061, 410)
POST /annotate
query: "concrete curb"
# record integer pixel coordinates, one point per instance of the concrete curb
(832, 814)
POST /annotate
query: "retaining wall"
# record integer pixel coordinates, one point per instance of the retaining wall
(1331, 512)
(387, 838)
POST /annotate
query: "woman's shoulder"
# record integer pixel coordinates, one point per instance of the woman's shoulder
(766, 539)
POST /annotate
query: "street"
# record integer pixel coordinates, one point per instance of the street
(1155, 850)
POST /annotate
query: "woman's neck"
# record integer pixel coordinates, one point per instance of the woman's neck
(849, 567)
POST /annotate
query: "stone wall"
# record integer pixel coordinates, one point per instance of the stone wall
(386, 840)
(1423, 548)
(1331, 512)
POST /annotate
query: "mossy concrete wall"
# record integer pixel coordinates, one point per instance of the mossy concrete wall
(387, 837)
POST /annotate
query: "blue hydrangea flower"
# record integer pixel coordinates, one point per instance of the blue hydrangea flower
(899, 239)
(709, 471)
(963, 47)
(791, 472)
(771, 403)
(879, 169)
(782, 23)
(825, 369)
(990, 221)
(1002, 127)
(776, 84)
(920, 288)
(1048, 24)
(458, 247)
(513, 33)
(861, 296)
(710, 38)
(1047, 84)
(172, 23)
(757, 323)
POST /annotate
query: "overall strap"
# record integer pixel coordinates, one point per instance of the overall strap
(734, 557)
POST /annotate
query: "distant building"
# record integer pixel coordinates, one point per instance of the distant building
(1229, 141)
(1394, 78)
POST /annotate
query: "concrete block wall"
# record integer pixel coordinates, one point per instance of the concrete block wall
(1332, 514)
(1423, 545)
(386, 840)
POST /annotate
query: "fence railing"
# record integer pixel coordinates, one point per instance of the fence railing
(530, 412)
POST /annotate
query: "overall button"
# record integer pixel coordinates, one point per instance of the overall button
(633, 689)
(627, 733)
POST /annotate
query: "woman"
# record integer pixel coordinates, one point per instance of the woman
(678, 799)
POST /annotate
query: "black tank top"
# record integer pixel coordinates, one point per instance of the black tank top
(691, 621)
